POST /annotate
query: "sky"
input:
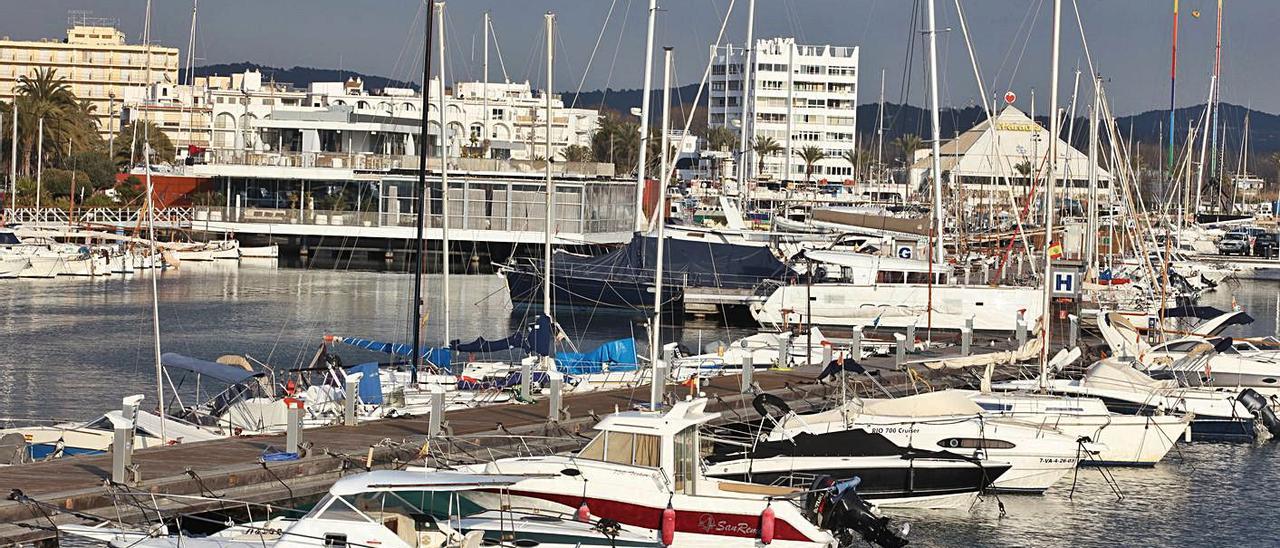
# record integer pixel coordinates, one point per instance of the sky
(1129, 39)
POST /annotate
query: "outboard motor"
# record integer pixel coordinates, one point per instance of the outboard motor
(842, 512)
(1257, 404)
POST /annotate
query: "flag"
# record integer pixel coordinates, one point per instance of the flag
(1055, 250)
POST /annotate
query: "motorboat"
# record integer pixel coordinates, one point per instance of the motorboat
(861, 290)
(948, 420)
(644, 469)
(402, 509)
(767, 349)
(11, 264)
(1217, 413)
(1195, 360)
(890, 476)
(262, 252)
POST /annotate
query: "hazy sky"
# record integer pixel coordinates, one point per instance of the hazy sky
(1129, 39)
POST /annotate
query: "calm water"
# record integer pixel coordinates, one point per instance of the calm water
(73, 348)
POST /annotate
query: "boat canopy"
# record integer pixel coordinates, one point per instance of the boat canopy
(439, 357)
(619, 355)
(225, 373)
(536, 338)
(1109, 374)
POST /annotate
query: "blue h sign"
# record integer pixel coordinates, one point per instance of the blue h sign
(1064, 283)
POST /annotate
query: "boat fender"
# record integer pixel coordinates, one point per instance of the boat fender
(584, 512)
(1257, 404)
(766, 525)
(769, 405)
(668, 526)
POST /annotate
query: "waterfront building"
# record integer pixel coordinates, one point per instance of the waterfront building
(980, 161)
(798, 95)
(99, 65)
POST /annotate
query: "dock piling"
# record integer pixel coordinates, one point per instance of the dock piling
(748, 369)
(526, 377)
(122, 446)
(437, 410)
(784, 351)
(1073, 336)
(826, 354)
(293, 424)
(911, 335)
(901, 355)
(855, 346)
(1020, 327)
(556, 382)
(349, 405)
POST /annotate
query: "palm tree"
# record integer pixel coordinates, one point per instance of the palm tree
(161, 147)
(764, 147)
(908, 144)
(616, 141)
(576, 153)
(68, 121)
(810, 155)
(721, 138)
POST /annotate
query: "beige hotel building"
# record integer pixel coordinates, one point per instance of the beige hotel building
(97, 63)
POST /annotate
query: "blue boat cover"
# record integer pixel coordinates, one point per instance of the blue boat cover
(370, 384)
(439, 357)
(620, 355)
(229, 374)
(536, 338)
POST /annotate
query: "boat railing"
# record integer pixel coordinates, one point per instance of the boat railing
(448, 452)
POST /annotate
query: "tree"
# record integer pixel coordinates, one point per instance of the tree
(1023, 168)
(617, 141)
(764, 147)
(68, 122)
(129, 149)
(576, 153)
(810, 155)
(721, 138)
(908, 144)
(97, 167)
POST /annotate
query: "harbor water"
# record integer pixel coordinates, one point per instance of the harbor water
(72, 348)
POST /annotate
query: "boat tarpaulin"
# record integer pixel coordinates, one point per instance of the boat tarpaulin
(689, 262)
(370, 389)
(847, 363)
(537, 338)
(439, 357)
(619, 355)
(229, 374)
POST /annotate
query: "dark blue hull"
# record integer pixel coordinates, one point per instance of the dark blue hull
(525, 288)
(1212, 429)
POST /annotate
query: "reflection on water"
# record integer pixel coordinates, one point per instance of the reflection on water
(72, 348)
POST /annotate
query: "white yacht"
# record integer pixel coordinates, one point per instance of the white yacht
(854, 289)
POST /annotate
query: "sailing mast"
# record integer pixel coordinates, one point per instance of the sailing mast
(484, 87)
(1216, 102)
(747, 65)
(880, 132)
(935, 250)
(444, 176)
(151, 237)
(549, 214)
(644, 117)
(191, 57)
(655, 348)
(1045, 315)
(420, 241)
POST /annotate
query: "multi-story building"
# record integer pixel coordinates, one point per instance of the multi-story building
(800, 96)
(241, 114)
(96, 62)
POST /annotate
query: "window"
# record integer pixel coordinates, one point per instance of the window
(624, 448)
(974, 443)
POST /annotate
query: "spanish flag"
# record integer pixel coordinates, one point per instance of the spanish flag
(1055, 250)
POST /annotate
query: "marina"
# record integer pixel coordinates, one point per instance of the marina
(743, 306)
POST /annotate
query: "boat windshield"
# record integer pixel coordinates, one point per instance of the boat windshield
(378, 507)
(624, 448)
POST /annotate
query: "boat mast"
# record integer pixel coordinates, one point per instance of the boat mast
(880, 132)
(745, 74)
(1045, 315)
(655, 348)
(444, 175)
(1216, 94)
(419, 243)
(1204, 144)
(484, 88)
(13, 156)
(935, 250)
(151, 237)
(191, 58)
(641, 222)
(549, 215)
(1173, 78)
(1091, 240)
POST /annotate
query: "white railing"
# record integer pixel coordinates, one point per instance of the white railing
(388, 162)
(177, 217)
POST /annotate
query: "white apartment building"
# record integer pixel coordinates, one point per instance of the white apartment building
(798, 95)
(97, 63)
(241, 114)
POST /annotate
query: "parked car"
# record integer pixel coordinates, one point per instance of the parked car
(1266, 244)
(1234, 243)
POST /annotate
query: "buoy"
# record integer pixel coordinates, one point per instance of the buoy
(766, 525)
(668, 525)
(584, 512)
